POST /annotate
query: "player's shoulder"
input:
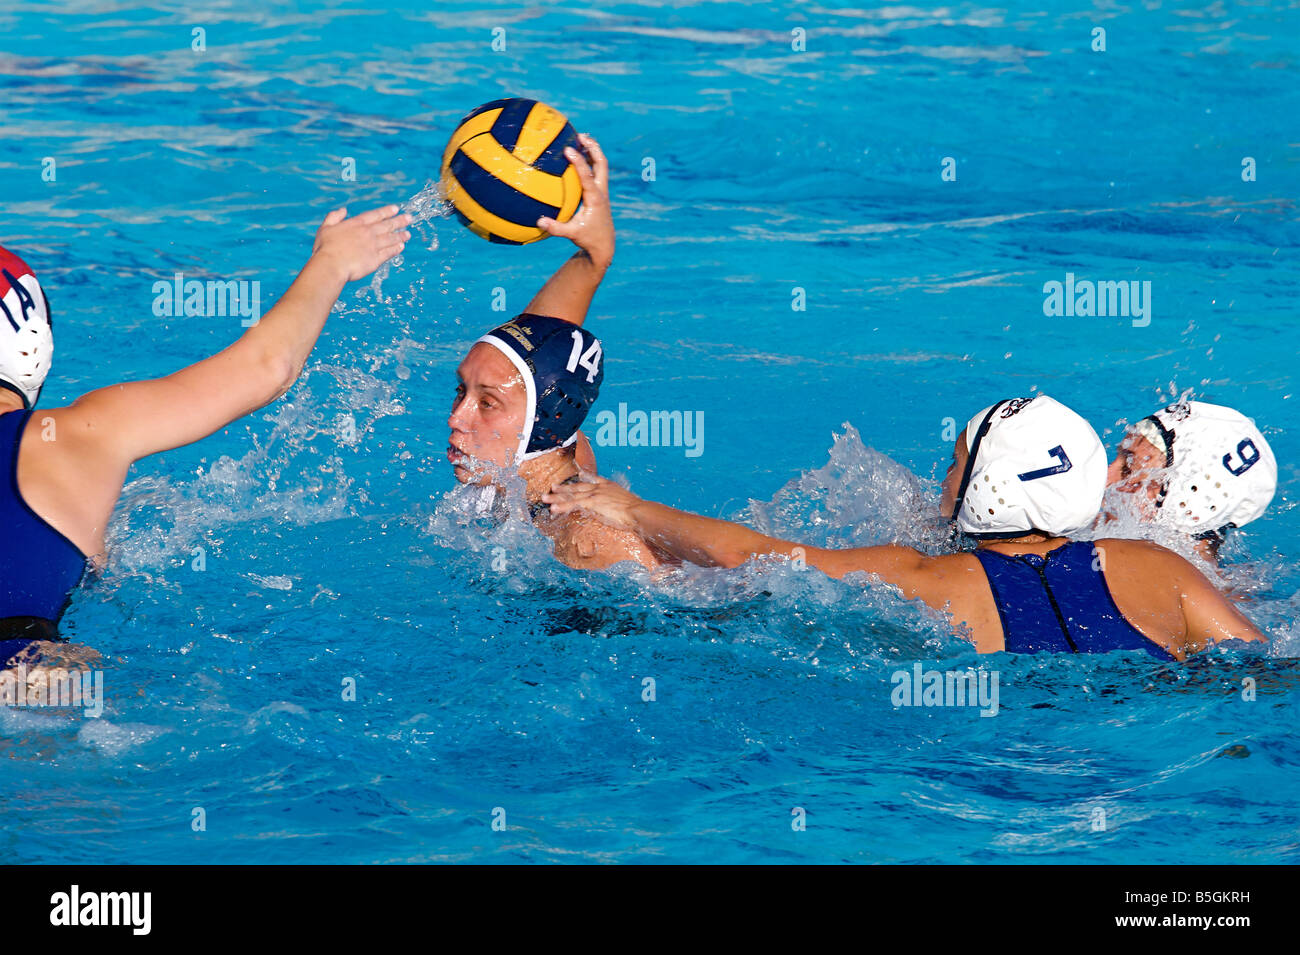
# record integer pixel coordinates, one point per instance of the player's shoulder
(1126, 548)
(581, 541)
(1142, 558)
(56, 432)
(958, 562)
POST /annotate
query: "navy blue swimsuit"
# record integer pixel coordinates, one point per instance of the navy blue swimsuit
(1059, 603)
(39, 567)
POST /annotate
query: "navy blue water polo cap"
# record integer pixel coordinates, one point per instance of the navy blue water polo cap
(562, 367)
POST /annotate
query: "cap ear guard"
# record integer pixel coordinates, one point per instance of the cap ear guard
(972, 449)
(1222, 471)
(553, 431)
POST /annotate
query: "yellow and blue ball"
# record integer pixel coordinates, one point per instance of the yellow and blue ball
(505, 168)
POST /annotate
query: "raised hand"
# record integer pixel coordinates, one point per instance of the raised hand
(592, 228)
(359, 245)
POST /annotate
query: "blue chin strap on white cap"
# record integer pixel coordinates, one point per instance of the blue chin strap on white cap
(1220, 471)
(26, 333)
(1032, 465)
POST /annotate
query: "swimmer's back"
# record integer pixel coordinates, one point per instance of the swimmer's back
(1158, 593)
(39, 565)
(1165, 597)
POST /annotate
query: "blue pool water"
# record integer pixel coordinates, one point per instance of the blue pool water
(489, 676)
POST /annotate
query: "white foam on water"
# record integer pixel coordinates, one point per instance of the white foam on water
(160, 518)
(114, 739)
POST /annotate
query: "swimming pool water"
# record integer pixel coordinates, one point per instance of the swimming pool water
(333, 546)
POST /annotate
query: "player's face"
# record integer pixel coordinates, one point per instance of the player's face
(1137, 470)
(952, 480)
(487, 415)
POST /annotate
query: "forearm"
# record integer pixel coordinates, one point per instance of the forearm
(716, 543)
(568, 293)
(285, 335)
(702, 540)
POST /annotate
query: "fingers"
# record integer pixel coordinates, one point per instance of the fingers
(564, 229)
(337, 216)
(562, 503)
(378, 215)
(390, 249)
(600, 165)
(585, 175)
(565, 497)
(391, 234)
(560, 491)
(396, 224)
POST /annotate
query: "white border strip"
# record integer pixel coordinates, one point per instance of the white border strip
(530, 417)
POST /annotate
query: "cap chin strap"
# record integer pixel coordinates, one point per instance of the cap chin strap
(1217, 536)
(1006, 535)
(10, 386)
(486, 499)
(984, 427)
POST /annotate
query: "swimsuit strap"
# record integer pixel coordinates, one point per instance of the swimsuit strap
(39, 566)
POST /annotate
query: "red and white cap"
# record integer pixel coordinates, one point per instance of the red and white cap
(26, 335)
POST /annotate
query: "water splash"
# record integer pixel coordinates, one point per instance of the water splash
(296, 474)
(859, 498)
(424, 208)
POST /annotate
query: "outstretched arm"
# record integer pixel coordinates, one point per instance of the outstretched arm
(126, 422)
(713, 543)
(568, 293)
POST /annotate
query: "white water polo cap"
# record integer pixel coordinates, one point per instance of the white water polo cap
(1032, 465)
(1220, 470)
(26, 335)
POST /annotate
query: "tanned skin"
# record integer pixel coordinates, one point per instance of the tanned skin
(1167, 599)
(73, 461)
(487, 414)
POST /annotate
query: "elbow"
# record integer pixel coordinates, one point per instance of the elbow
(277, 375)
(732, 558)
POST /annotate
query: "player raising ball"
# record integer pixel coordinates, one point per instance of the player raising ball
(515, 172)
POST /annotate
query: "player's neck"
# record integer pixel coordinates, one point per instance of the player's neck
(541, 474)
(1036, 543)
